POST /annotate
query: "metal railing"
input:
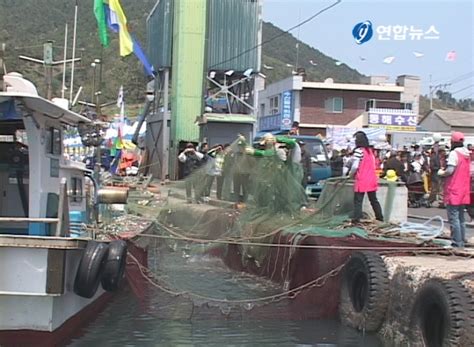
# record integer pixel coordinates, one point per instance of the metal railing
(62, 222)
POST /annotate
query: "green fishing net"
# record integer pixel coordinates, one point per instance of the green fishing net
(252, 196)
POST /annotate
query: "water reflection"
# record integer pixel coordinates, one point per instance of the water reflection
(124, 323)
(159, 319)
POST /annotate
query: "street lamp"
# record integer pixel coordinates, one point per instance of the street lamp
(99, 87)
(93, 66)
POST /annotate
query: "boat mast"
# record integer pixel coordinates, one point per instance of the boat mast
(73, 52)
(64, 65)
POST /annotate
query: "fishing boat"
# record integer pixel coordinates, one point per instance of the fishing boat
(54, 275)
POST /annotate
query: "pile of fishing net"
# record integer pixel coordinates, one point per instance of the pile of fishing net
(261, 197)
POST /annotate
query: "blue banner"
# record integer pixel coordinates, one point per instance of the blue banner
(286, 110)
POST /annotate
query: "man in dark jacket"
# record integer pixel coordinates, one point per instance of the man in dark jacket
(394, 163)
(337, 163)
(435, 165)
(306, 164)
(191, 160)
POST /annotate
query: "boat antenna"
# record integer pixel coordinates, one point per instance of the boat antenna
(77, 96)
(73, 52)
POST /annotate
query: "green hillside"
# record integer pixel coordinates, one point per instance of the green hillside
(27, 24)
(281, 51)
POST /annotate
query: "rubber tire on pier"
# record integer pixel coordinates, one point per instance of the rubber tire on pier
(443, 314)
(114, 267)
(364, 292)
(89, 272)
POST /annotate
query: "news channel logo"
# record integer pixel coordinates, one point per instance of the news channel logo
(362, 32)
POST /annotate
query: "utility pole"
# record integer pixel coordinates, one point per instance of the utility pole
(165, 131)
(434, 88)
(298, 44)
(431, 96)
(48, 64)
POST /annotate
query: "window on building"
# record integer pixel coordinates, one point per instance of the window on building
(275, 104)
(334, 105)
(76, 189)
(53, 141)
(369, 104)
(262, 110)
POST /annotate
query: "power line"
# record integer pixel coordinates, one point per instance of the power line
(279, 35)
(462, 89)
(453, 80)
(466, 96)
(462, 78)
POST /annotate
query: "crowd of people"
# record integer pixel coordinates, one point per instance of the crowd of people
(424, 170)
(415, 166)
(241, 170)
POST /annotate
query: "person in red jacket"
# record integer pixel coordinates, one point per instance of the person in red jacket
(457, 187)
(365, 178)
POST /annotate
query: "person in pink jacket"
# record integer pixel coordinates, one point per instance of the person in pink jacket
(457, 187)
(365, 178)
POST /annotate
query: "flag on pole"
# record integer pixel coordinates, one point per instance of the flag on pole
(121, 106)
(116, 152)
(110, 13)
(99, 11)
(118, 23)
(120, 97)
(138, 51)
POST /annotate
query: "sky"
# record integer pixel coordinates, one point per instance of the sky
(331, 33)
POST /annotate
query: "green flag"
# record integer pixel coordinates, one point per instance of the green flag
(99, 11)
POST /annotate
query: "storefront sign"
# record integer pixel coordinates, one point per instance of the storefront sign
(286, 116)
(270, 123)
(405, 121)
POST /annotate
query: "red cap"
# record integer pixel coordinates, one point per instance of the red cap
(457, 137)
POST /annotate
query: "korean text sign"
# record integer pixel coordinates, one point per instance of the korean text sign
(393, 121)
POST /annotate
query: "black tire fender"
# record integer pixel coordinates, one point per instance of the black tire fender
(89, 272)
(443, 314)
(364, 292)
(114, 267)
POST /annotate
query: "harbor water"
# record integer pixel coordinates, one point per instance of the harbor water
(156, 318)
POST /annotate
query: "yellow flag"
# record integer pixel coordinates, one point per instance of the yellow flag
(118, 17)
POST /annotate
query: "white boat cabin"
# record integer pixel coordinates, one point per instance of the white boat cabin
(32, 165)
